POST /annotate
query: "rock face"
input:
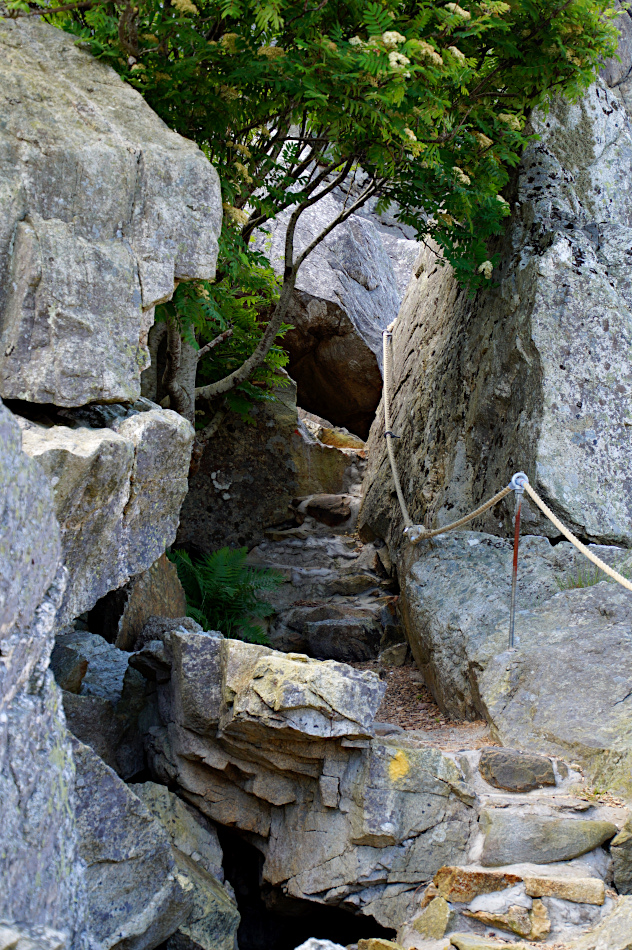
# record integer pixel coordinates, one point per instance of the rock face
(248, 476)
(117, 491)
(455, 603)
(135, 898)
(348, 290)
(41, 872)
(547, 695)
(281, 747)
(83, 265)
(214, 918)
(534, 375)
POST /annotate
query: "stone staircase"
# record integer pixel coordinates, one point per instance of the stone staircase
(543, 870)
(339, 600)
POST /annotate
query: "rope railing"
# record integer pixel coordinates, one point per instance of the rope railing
(519, 484)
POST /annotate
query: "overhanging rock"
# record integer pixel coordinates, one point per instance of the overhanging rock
(117, 492)
(281, 747)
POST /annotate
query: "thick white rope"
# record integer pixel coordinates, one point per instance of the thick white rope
(386, 349)
(610, 571)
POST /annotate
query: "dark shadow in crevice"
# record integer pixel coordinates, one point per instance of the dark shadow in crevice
(272, 921)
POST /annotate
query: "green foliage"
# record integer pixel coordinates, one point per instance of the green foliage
(221, 592)
(428, 99)
(241, 298)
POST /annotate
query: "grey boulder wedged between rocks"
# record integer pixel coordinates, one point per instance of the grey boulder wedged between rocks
(516, 771)
(117, 492)
(81, 268)
(214, 918)
(39, 864)
(535, 375)
(348, 290)
(280, 746)
(135, 899)
(103, 711)
(517, 838)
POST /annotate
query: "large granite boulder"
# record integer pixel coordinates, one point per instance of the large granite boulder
(117, 491)
(281, 747)
(103, 208)
(135, 898)
(40, 867)
(535, 374)
(348, 290)
(248, 475)
(455, 596)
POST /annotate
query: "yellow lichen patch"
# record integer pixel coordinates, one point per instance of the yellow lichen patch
(399, 766)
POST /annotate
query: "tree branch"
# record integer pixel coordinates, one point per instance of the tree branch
(211, 346)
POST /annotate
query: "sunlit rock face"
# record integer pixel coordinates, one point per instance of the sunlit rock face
(534, 374)
(102, 208)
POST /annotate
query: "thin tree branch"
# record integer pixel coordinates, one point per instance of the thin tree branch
(210, 346)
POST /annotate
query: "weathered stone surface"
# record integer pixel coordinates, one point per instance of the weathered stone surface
(135, 899)
(281, 746)
(214, 918)
(535, 374)
(621, 850)
(112, 696)
(248, 476)
(156, 592)
(454, 610)
(432, 922)
(464, 884)
(513, 838)
(614, 933)
(81, 268)
(39, 867)
(31, 938)
(546, 695)
(117, 494)
(589, 890)
(515, 771)
(348, 290)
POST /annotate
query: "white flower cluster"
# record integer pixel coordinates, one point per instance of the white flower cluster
(397, 60)
(511, 120)
(410, 134)
(461, 177)
(486, 269)
(425, 49)
(456, 52)
(391, 38)
(458, 11)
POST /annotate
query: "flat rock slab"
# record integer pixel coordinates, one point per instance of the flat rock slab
(512, 838)
(566, 689)
(516, 771)
(583, 890)
(462, 884)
